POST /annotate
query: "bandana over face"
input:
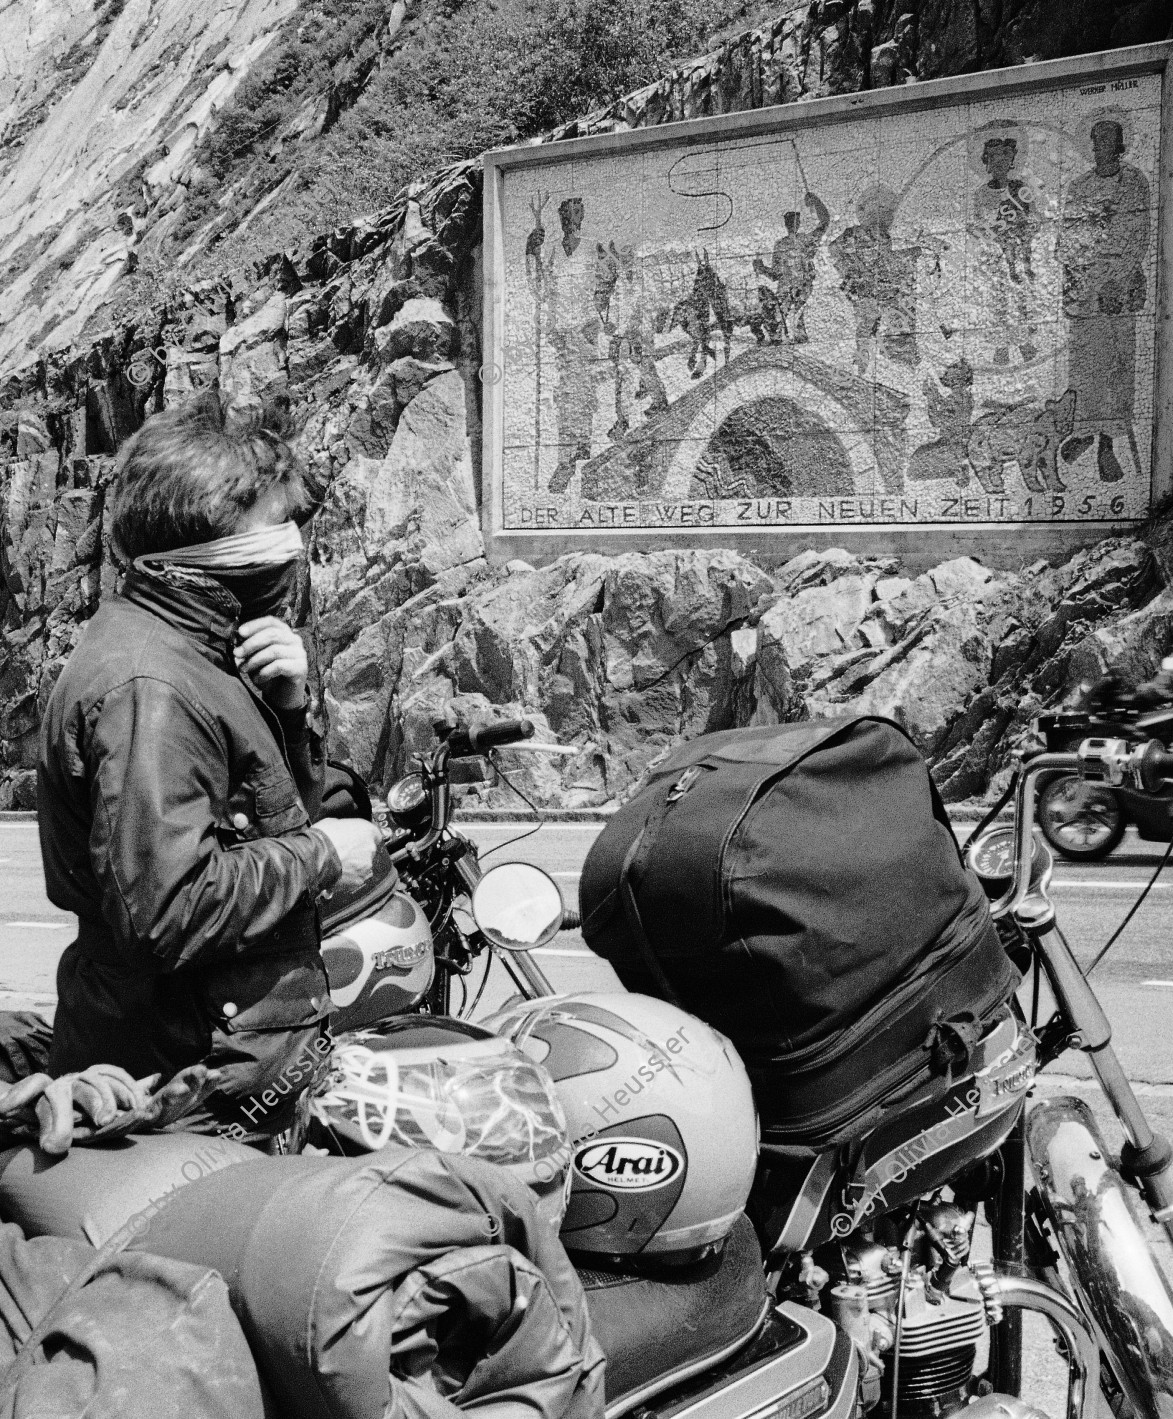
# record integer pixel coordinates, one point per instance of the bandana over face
(259, 568)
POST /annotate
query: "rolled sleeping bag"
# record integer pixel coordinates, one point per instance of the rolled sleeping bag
(93, 1191)
(124, 1336)
(25, 1040)
(401, 1283)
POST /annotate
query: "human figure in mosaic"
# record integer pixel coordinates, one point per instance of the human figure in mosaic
(1003, 223)
(572, 328)
(630, 330)
(792, 270)
(950, 413)
(705, 306)
(1101, 247)
(879, 280)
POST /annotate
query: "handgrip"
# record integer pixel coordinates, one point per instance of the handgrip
(495, 736)
(1156, 765)
(466, 739)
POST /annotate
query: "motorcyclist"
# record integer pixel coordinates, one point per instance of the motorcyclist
(179, 774)
(1114, 689)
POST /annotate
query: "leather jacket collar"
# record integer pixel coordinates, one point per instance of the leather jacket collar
(190, 602)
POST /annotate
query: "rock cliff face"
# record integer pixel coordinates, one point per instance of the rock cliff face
(373, 334)
(105, 104)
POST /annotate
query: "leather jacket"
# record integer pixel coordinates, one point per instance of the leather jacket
(172, 805)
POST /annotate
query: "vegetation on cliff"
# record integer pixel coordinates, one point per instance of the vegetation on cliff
(357, 98)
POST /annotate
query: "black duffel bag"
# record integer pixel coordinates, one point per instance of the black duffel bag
(799, 887)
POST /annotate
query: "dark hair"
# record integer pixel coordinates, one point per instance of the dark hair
(1110, 123)
(998, 143)
(192, 472)
(571, 212)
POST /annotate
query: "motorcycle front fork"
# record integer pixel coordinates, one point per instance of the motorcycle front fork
(1147, 1156)
(1005, 1370)
(527, 975)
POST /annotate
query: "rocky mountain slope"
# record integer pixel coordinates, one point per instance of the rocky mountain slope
(93, 98)
(141, 139)
(373, 333)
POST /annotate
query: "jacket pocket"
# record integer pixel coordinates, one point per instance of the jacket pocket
(264, 806)
(278, 806)
(277, 992)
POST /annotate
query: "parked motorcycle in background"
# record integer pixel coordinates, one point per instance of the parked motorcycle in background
(859, 1291)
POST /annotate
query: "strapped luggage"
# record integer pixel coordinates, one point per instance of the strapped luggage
(799, 887)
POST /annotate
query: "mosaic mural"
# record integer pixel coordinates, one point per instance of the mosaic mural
(943, 315)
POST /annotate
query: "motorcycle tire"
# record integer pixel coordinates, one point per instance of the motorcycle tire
(1082, 821)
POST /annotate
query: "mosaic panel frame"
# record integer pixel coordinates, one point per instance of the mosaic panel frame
(932, 318)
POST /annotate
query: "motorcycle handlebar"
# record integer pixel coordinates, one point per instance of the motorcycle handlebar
(479, 738)
(1156, 765)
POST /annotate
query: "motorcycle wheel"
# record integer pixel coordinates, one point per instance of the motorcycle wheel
(1082, 821)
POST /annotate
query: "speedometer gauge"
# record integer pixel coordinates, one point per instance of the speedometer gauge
(991, 858)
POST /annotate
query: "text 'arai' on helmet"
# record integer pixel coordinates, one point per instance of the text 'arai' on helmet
(664, 1134)
(444, 1084)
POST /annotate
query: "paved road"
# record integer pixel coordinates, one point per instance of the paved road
(1135, 982)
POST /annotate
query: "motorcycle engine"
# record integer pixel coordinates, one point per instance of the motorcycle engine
(917, 1310)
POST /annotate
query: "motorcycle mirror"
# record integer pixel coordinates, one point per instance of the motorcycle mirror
(517, 906)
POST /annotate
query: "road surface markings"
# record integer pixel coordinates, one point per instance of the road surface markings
(41, 925)
(1120, 885)
(1157, 982)
(564, 951)
(1080, 1084)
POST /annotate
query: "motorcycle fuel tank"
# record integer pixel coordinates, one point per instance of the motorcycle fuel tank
(381, 966)
(916, 1147)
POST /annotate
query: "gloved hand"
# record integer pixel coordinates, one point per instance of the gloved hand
(44, 1105)
(97, 1103)
(161, 1108)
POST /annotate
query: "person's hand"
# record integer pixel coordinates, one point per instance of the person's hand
(49, 1108)
(355, 841)
(162, 1107)
(98, 1103)
(273, 657)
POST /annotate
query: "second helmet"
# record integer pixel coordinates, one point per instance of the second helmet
(664, 1137)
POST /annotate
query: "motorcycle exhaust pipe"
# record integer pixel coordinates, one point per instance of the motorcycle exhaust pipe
(1112, 1269)
(1083, 1351)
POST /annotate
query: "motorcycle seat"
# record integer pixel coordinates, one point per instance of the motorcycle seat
(658, 1329)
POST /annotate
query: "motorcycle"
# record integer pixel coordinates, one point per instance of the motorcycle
(423, 872)
(740, 1352)
(859, 1289)
(1083, 820)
